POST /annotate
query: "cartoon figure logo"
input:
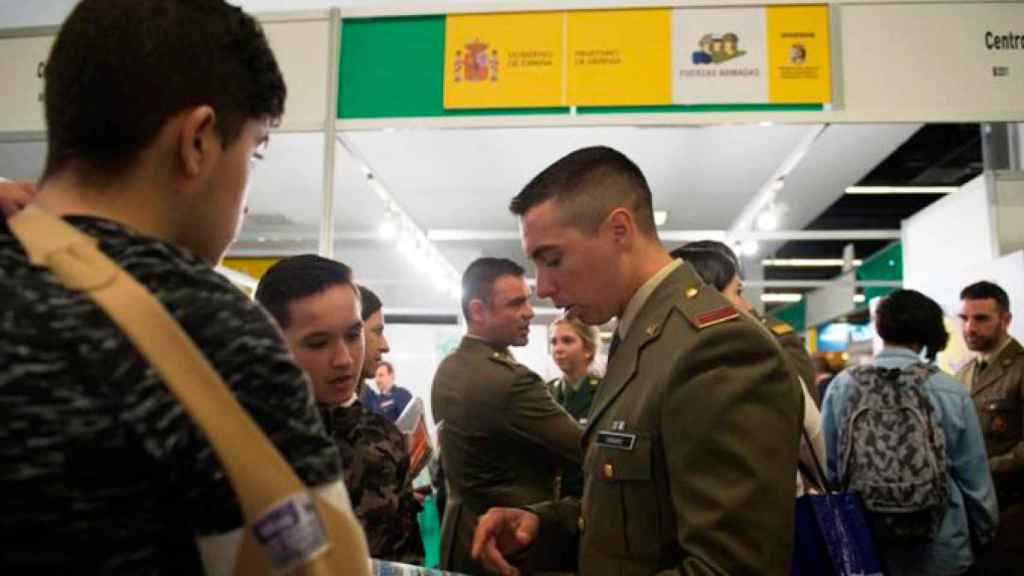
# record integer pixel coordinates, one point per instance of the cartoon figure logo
(718, 49)
(797, 54)
(476, 63)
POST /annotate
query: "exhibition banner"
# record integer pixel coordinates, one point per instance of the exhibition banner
(799, 54)
(504, 60)
(719, 56)
(620, 57)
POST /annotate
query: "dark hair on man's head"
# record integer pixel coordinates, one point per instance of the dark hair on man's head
(386, 364)
(371, 303)
(910, 318)
(120, 69)
(983, 291)
(296, 278)
(714, 261)
(587, 185)
(478, 279)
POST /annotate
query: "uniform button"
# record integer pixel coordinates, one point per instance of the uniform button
(581, 524)
(609, 470)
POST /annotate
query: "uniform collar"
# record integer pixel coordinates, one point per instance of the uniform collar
(641, 296)
(474, 341)
(988, 358)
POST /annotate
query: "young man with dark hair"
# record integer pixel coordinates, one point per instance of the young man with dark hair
(501, 434)
(691, 443)
(319, 307)
(937, 425)
(155, 110)
(995, 378)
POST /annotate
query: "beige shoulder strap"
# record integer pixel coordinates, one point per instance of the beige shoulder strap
(265, 484)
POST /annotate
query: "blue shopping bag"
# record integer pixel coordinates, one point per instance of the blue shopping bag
(832, 533)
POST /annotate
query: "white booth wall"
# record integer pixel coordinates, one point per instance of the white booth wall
(970, 235)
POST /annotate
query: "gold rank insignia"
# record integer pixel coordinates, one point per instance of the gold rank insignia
(782, 328)
(691, 292)
(652, 330)
(609, 470)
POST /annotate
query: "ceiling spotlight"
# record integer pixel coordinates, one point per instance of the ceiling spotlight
(749, 248)
(388, 229)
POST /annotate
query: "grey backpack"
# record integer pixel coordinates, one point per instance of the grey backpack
(892, 451)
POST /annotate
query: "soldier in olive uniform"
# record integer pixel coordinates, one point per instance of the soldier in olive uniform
(502, 436)
(691, 445)
(573, 347)
(995, 379)
(320, 309)
(717, 265)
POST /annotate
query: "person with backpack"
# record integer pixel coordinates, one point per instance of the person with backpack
(905, 436)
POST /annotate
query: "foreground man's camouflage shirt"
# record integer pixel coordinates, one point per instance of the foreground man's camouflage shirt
(101, 471)
(376, 467)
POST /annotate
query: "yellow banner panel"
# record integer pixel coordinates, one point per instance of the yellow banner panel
(620, 57)
(255, 267)
(504, 60)
(799, 55)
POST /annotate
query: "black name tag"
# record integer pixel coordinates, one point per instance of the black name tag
(616, 440)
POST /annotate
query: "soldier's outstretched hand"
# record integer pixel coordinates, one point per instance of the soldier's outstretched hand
(14, 196)
(503, 531)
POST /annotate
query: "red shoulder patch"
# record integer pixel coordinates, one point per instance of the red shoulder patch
(716, 316)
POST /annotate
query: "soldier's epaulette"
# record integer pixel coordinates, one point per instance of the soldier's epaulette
(780, 328)
(703, 306)
(504, 359)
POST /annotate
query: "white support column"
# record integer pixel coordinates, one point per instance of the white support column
(330, 135)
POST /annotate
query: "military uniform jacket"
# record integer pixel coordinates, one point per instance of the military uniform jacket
(691, 446)
(998, 394)
(502, 438)
(376, 469)
(793, 348)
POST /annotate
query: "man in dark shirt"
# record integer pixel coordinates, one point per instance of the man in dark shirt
(155, 109)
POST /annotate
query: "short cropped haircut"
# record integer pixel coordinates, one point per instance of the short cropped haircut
(386, 364)
(296, 278)
(587, 185)
(371, 303)
(909, 317)
(714, 261)
(120, 69)
(479, 278)
(983, 291)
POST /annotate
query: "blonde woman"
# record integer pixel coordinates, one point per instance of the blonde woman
(573, 347)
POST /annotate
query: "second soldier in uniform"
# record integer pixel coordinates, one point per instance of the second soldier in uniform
(502, 436)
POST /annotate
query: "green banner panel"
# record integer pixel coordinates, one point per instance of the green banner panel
(886, 264)
(794, 314)
(391, 67)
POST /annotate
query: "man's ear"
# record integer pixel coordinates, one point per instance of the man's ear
(198, 142)
(477, 309)
(620, 225)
